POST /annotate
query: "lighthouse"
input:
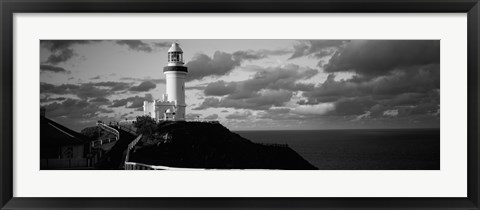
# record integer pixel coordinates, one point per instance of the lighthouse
(172, 105)
(175, 74)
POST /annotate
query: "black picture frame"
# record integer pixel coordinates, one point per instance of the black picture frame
(10, 7)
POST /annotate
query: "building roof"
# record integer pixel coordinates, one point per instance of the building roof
(175, 48)
(52, 133)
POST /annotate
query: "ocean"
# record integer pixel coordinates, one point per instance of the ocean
(362, 149)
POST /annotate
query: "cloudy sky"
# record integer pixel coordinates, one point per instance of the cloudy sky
(249, 84)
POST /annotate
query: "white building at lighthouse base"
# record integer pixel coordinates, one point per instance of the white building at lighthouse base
(164, 109)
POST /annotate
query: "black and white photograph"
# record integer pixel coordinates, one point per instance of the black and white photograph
(239, 104)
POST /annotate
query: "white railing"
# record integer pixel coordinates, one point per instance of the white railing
(104, 141)
(109, 129)
(101, 142)
(141, 166)
(130, 147)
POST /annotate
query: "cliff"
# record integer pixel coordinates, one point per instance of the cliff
(210, 145)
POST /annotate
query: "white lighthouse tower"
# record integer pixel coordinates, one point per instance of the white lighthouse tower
(175, 74)
(172, 106)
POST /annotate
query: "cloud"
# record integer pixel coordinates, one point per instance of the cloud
(219, 88)
(259, 101)
(391, 113)
(279, 78)
(130, 78)
(408, 105)
(96, 77)
(317, 48)
(49, 99)
(280, 113)
(162, 44)
(406, 99)
(50, 68)
(243, 55)
(197, 87)
(353, 106)
(365, 115)
(61, 50)
(220, 64)
(156, 81)
(401, 87)
(84, 90)
(211, 117)
(274, 111)
(135, 45)
(275, 52)
(100, 100)
(223, 63)
(424, 108)
(308, 102)
(113, 86)
(143, 87)
(58, 89)
(134, 102)
(89, 90)
(390, 77)
(387, 106)
(377, 57)
(119, 103)
(60, 56)
(74, 113)
(54, 45)
(248, 55)
(317, 109)
(332, 90)
(208, 103)
(239, 115)
(269, 87)
(289, 114)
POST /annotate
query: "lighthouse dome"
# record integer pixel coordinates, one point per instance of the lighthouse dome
(175, 48)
